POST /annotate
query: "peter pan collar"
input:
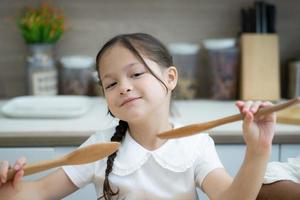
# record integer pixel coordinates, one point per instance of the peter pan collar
(176, 155)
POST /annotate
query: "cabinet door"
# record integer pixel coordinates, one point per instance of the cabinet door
(289, 151)
(32, 155)
(232, 157)
(88, 192)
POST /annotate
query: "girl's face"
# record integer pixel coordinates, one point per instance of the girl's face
(131, 91)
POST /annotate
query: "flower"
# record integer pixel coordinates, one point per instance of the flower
(44, 24)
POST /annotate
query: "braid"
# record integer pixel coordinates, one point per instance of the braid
(117, 137)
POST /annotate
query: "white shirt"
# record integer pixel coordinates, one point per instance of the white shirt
(170, 172)
(277, 171)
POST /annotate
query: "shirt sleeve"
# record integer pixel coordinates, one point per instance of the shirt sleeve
(81, 175)
(207, 161)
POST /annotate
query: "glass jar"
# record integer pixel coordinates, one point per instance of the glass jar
(41, 70)
(186, 60)
(77, 75)
(222, 62)
(224, 73)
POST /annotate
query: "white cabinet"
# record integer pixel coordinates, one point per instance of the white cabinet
(44, 153)
(289, 151)
(232, 157)
(32, 155)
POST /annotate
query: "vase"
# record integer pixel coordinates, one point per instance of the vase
(42, 72)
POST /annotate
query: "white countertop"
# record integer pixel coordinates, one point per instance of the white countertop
(73, 131)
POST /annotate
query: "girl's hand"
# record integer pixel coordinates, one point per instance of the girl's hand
(258, 132)
(14, 183)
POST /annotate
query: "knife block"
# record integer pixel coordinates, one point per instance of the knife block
(260, 78)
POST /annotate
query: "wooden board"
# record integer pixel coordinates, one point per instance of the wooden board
(260, 77)
(289, 116)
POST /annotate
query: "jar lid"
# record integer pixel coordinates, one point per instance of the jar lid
(77, 62)
(183, 48)
(219, 43)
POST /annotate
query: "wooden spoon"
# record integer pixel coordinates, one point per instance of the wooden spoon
(200, 127)
(82, 155)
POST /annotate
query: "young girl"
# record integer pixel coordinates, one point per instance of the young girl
(137, 77)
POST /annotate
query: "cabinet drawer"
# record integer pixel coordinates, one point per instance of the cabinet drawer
(232, 157)
(289, 151)
(32, 155)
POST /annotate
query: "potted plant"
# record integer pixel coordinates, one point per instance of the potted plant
(41, 27)
(44, 24)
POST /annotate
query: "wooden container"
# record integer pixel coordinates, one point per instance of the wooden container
(289, 116)
(260, 78)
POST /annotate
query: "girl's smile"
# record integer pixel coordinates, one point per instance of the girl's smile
(129, 101)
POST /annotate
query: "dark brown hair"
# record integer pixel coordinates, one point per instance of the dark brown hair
(137, 43)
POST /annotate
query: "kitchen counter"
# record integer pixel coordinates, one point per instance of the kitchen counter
(73, 131)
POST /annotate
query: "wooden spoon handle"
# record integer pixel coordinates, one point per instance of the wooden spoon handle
(81, 155)
(37, 167)
(200, 127)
